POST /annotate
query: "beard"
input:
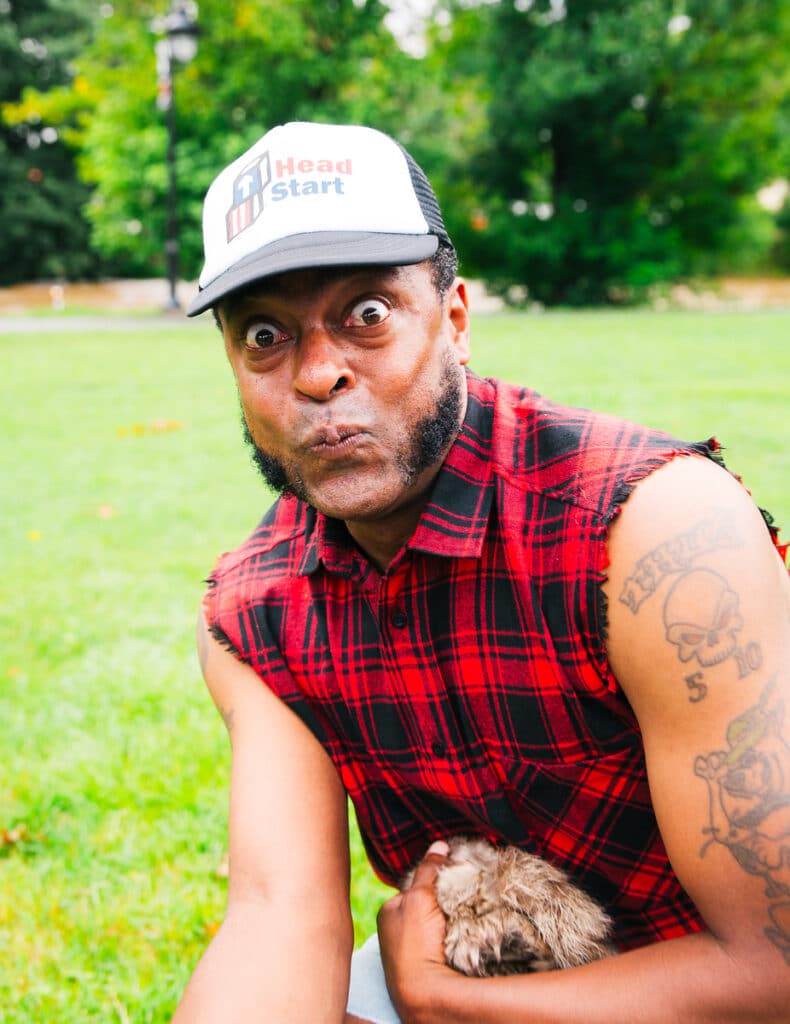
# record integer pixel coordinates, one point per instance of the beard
(427, 442)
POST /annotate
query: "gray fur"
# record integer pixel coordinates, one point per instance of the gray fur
(511, 912)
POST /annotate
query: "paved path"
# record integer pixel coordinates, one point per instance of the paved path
(83, 324)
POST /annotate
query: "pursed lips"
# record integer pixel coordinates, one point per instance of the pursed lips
(334, 440)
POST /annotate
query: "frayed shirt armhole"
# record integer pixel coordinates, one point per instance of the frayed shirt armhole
(210, 609)
(708, 449)
(225, 641)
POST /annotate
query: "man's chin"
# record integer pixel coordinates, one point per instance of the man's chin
(351, 498)
(355, 493)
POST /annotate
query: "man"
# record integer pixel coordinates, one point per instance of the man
(472, 611)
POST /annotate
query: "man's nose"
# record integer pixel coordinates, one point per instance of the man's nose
(322, 367)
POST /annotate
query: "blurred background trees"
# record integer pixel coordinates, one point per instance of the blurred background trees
(44, 233)
(583, 150)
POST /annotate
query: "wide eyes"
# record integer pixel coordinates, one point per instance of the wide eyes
(367, 313)
(263, 334)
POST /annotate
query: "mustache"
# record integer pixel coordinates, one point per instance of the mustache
(429, 439)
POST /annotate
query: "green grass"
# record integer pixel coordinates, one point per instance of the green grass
(123, 478)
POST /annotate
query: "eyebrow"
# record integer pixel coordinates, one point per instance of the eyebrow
(267, 288)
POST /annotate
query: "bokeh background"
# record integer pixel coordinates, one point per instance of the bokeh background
(614, 174)
(585, 151)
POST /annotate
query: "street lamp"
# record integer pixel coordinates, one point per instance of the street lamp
(179, 45)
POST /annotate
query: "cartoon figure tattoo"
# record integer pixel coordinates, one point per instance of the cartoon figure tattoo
(749, 799)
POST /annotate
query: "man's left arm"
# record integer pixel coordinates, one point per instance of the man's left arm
(699, 617)
(699, 639)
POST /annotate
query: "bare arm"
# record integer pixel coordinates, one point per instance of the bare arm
(283, 951)
(700, 648)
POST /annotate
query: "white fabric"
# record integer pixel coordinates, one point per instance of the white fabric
(305, 177)
(368, 998)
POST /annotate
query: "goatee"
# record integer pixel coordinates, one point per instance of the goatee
(429, 439)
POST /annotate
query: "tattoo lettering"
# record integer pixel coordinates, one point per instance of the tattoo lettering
(749, 805)
(698, 689)
(748, 659)
(676, 555)
(701, 617)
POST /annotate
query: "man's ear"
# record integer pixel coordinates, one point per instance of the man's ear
(458, 312)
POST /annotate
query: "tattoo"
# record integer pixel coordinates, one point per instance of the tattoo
(676, 555)
(748, 658)
(699, 690)
(749, 805)
(702, 619)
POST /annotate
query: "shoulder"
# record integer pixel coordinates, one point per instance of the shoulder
(267, 569)
(278, 541)
(589, 459)
(694, 581)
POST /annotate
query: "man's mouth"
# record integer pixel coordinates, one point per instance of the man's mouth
(335, 441)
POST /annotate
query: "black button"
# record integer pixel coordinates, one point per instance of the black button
(399, 619)
(438, 748)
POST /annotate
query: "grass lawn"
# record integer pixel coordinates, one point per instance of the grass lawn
(123, 478)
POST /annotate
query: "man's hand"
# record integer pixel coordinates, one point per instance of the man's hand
(411, 934)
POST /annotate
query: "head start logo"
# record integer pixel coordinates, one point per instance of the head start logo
(248, 189)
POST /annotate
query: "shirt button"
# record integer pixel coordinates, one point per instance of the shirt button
(438, 748)
(399, 619)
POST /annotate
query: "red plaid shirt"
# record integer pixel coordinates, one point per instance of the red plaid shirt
(467, 689)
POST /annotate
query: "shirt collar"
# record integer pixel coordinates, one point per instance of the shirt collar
(454, 521)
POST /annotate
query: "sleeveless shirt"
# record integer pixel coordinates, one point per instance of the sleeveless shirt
(467, 688)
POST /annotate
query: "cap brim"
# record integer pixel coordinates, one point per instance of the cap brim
(318, 249)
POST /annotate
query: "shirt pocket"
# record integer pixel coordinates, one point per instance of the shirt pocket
(593, 817)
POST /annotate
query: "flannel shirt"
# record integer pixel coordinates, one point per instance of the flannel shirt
(467, 688)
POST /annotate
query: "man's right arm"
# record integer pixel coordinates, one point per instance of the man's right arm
(284, 948)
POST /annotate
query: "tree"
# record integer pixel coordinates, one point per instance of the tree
(259, 63)
(626, 141)
(41, 199)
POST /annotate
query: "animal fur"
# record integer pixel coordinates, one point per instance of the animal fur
(509, 912)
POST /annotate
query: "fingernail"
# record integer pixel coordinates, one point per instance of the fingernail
(440, 848)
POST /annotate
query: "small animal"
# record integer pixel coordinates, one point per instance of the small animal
(510, 912)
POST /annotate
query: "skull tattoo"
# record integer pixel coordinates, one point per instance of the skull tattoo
(701, 617)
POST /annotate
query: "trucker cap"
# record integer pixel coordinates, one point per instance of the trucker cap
(315, 195)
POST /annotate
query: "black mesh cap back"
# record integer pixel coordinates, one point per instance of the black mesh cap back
(426, 198)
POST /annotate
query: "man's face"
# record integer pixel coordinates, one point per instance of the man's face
(350, 383)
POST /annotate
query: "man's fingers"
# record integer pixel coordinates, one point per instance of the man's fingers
(388, 906)
(425, 875)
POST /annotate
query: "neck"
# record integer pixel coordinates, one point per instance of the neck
(382, 538)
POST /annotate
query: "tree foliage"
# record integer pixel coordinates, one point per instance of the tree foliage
(258, 64)
(626, 141)
(582, 149)
(44, 233)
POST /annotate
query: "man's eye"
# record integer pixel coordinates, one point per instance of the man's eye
(367, 313)
(262, 334)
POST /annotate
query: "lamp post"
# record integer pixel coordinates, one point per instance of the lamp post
(179, 45)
